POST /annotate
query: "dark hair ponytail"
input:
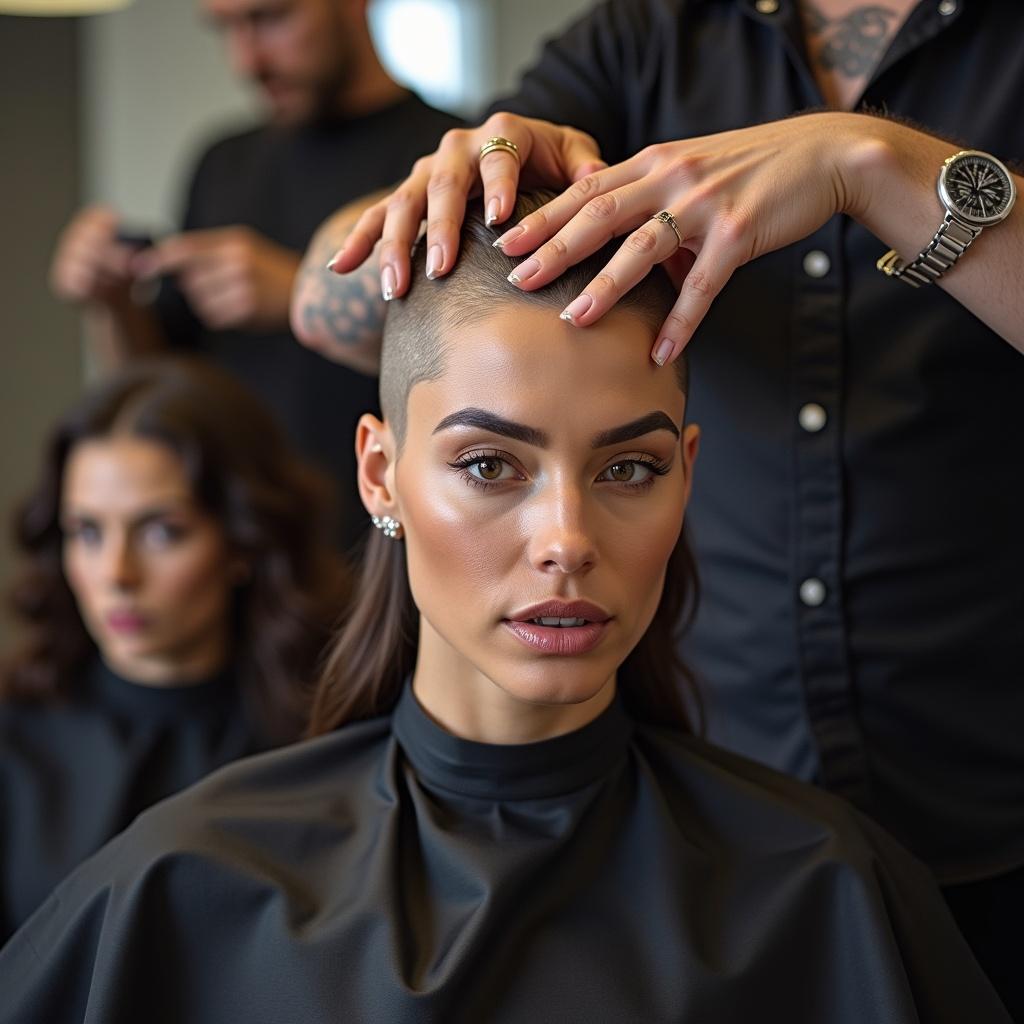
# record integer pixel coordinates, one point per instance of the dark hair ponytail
(375, 651)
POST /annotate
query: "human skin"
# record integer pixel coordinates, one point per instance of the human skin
(150, 570)
(305, 58)
(557, 523)
(735, 196)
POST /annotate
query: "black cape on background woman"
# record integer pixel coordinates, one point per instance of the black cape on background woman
(390, 872)
(73, 775)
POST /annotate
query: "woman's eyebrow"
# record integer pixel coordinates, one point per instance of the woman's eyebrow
(489, 421)
(484, 420)
(635, 428)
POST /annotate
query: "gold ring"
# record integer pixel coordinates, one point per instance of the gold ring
(497, 143)
(666, 218)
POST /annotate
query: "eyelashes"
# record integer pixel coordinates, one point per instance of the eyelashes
(484, 462)
(489, 468)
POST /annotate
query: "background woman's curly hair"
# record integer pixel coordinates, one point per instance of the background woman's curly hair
(277, 513)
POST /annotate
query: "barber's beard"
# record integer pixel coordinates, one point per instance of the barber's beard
(330, 92)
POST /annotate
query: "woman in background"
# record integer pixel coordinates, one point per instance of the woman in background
(505, 816)
(178, 589)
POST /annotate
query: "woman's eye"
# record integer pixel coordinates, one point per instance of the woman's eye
(490, 469)
(85, 533)
(161, 535)
(629, 471)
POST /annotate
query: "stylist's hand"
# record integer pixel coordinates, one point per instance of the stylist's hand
(90, 266)
(734, 196)
(233, 277)
(440, 185)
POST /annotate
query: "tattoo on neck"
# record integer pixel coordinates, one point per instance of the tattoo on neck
(853, 44)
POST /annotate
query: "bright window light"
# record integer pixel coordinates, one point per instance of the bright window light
(420, 43)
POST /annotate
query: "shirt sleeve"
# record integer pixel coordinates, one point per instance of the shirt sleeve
(181, 327)
(600, 74)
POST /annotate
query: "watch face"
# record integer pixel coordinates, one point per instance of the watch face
(977, 187)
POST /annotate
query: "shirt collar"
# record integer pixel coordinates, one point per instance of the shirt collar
(526, 771)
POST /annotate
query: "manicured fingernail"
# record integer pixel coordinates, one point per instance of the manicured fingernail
(576, 308)
(387, 283)
(435, 261)
(493, 209)
(510, 236)
(663, 351)
(525, 270)
(334, 260)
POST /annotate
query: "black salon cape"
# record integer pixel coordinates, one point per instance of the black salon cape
(74, 775)
(393, 873)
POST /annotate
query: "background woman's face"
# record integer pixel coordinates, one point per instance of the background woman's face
(150, 570)
(545, 465)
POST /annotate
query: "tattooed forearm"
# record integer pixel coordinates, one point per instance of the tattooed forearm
(853, 44)
(339, 315)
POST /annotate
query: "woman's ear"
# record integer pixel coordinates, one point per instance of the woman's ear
(690, 445)
(375, 454)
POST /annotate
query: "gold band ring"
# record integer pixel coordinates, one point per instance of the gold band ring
(666, 218)
(498, 143)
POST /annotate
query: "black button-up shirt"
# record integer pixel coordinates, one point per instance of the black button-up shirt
(858, 512)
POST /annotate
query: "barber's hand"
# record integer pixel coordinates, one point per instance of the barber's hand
(89, 264)
(440, 185)
(735, 196)
(233, 278)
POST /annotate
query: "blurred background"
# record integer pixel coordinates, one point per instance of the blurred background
(115, 107)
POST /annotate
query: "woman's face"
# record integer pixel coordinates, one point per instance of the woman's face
(541, 490)
(150, 570)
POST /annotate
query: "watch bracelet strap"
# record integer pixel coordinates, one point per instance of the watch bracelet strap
(948, 244)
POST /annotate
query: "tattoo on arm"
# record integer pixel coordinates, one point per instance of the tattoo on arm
(342, 315)
(853, 44)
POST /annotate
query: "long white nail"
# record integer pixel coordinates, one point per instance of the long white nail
(435, 260)
(663, 351)
(387, 283)
(493, 209)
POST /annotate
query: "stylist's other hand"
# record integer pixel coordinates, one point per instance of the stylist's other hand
(735, 196)
(440, 185)
(90, 266)
(233, 278)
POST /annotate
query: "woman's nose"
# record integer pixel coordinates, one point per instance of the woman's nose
(562, 541)
(121, 565)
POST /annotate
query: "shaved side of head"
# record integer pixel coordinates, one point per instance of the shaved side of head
(416, 324)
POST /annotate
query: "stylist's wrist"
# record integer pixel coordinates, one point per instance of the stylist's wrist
(867, 162)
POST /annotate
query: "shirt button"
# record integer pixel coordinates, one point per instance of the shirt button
(767, 6)
(812, 417)
(812, 592)
(817, 263)
(947, 7)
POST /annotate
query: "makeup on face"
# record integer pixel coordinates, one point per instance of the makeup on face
(148, 567)
(542, 486)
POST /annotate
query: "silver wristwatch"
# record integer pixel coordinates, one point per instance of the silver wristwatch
(977, 191)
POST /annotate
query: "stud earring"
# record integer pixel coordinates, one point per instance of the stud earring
(389, 526)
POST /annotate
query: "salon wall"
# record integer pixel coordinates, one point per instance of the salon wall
(39, 177)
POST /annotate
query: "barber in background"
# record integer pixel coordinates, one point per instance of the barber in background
(337, 127)
(861, 505)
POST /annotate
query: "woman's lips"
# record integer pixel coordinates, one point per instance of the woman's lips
(127, 622)
(563, 640)
(559, 626)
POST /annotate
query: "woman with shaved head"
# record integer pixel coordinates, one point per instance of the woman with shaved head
(504, 813)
